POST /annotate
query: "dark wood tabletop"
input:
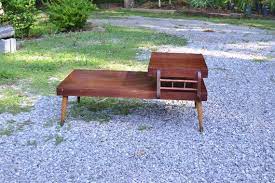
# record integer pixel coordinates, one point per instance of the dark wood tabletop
(177, 64)
(124, 84)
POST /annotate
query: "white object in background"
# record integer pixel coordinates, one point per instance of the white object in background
(8, 45)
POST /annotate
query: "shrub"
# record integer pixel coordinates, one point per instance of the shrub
(201, 3)
(272, 5)
(220, 3)
(242, 4)
(21, 14)
(69, 15)
(108, 1)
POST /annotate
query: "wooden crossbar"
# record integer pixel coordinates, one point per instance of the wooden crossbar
(179, 80)
(179, 89)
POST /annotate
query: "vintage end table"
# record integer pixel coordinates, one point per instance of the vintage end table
(170, 76)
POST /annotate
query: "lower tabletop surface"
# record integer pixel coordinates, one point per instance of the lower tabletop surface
(120, 84)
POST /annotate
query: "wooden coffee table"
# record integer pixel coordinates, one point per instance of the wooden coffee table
(164, 80)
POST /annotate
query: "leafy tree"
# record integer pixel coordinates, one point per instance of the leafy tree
(21, 14)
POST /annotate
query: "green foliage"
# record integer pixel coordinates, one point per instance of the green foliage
(259, 23)
(21, 14)
(208, 3)
(5, 75)
(58, 139)
(40, 65)
(69, 15)
(201, 3)
(107, 1)
(272, 5)
(144, 127)
(243, 3)
(239, 4)
(102, 109)
(220, 3)
(14, 101)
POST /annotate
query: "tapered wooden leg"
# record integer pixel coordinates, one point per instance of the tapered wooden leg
(64, 109)
(200, 114)
(78, 99)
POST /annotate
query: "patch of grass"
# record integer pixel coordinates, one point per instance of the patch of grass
(22, 125)
(58, 139)
(8, 131)
(42, 26)
(55, 56)
(144, 127)
(101, 109)
(218, 69)
(7, 77)
(12, 127)
(12, 101)
(259, 23)
(32, 143)
(48, 138)
(259, 60)
(81, 112)
(49, 123)
(68, 126)
(11, 121)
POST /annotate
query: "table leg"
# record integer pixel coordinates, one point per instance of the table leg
(78, 99)
(200, 114)
(63, 109)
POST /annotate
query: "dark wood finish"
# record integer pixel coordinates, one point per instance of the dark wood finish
(177, 64)
(120, 84)
(195, 84)
(200, 114)
(178, 89)
(170, 76)
(63, 109)
(199, 79)
(158, 83)
(179, 80)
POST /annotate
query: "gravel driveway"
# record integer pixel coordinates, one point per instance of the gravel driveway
(160, 142)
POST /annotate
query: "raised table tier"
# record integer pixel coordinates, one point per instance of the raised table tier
(177, 64)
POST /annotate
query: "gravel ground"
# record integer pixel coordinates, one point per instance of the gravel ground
(160, 142)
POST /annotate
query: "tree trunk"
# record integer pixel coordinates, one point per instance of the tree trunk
(159, 3)
(128, 3)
